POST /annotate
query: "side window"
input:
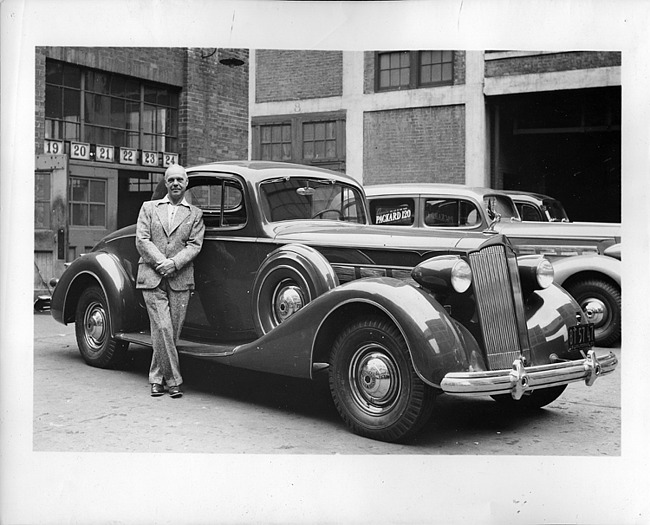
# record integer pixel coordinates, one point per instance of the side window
(394, 212)
(222, 201)
(529, 213)
(450, 212)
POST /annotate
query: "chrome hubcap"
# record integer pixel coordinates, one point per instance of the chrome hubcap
(596, 311)
(95, 325)
(374, 378)
(288, 300)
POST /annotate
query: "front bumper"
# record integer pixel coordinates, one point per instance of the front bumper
(521, 379)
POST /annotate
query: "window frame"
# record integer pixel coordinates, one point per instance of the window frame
(87, 202)
(296, 123)
(415, 64)
(91, 123)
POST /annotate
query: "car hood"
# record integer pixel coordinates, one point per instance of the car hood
(596, 231)
(370, 236)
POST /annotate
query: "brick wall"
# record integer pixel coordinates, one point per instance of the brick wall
(551, 62)
(297, 75)
(214, 108)
(414, 145)
(369, 70)
(213, 112)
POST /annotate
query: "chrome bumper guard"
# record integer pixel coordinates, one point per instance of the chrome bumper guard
(521, 379)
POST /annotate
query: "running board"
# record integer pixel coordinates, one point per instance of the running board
(184, 346)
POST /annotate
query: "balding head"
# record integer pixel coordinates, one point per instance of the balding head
(176, 182)
(175, 169)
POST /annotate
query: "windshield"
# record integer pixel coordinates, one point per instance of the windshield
(288, 199)
(501, 205)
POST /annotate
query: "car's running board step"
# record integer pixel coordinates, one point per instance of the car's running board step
(184, 346)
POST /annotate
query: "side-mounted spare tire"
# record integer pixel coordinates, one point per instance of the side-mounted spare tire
(289, 278)
(93, 330)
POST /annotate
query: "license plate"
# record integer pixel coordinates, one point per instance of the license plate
(581, 337)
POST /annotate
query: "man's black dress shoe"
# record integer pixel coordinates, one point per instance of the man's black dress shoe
(175, 391)
(157, 390)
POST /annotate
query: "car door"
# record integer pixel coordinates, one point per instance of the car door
(220, 307)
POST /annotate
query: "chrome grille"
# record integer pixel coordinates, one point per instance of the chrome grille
(493, 287)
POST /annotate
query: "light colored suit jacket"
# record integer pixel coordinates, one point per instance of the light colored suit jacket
(157, 240)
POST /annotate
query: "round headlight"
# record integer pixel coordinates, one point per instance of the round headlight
(545, 273)
(461, 276)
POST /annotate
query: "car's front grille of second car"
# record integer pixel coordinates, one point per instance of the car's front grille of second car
(494, 281)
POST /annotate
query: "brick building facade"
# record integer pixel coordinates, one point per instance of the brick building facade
(107, 123)
(537, 121)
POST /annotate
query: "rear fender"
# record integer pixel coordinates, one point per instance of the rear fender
(106, 271)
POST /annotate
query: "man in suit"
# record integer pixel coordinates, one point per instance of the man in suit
(169, 235)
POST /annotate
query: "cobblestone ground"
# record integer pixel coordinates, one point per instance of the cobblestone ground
(226, 410)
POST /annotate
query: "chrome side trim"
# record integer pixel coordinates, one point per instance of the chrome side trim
(520, 379)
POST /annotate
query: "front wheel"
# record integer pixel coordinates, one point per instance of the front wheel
(92, 328)
(601, 302)
(531, 400)
(374, 385)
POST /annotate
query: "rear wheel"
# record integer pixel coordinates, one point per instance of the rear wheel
(92, 328)
(531, 400)
(374, 385)
(601, 302)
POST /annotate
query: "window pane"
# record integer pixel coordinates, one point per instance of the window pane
(54, 73)
(308, 132)
(308, 150)
(79, 190)
(117, 85)
(161, 120)
(147, 142)
(71, 76)
(96, 82)
(286, 133)
(117, 137)
(53, 102)
(150, 94)
(133, 141)
(79, 214)
(132, 89)
(331, 149)
(148, 119)
(118, 114)
(97, 215)
(71, 105)
(71, 131)
(132, 110)
(97, 191)
(447, 72)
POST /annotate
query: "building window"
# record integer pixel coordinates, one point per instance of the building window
(87, 201)
(275, 142)
(145, 182)
(319, 140)
(42, 181)
(99, 107)
(313, 139)
(412, 69)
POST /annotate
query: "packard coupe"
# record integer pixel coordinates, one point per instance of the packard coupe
(292, 279)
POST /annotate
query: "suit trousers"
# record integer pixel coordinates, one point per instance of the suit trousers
(167, 309)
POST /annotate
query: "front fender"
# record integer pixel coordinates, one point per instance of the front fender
(567, 267)
(107, 271)
(436, 343)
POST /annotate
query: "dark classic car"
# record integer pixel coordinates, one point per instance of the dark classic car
(538, 207)
(586, 256)
(293, 280)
